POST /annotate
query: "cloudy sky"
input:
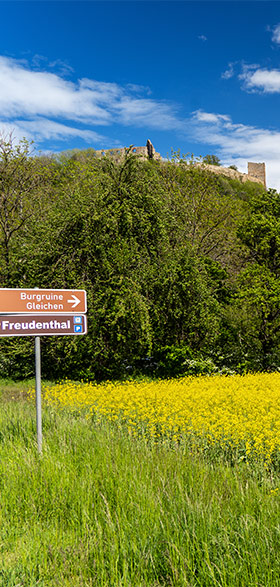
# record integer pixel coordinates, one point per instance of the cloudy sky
(199, 76)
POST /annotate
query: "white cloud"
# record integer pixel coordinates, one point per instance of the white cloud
(202, 38)
(276, 34)
(43, 102)
(29, 93)
(42, 128)
(238, 143)
(146, 112)
(265, 80)
(255, 78)
(229, 72)
(202, 116)
(139, 89)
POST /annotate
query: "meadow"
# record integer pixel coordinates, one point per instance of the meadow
(148, 483)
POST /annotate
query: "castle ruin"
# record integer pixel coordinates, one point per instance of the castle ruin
(256, 171)
(147, 152)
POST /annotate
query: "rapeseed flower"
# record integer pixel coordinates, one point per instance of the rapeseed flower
(236, 413)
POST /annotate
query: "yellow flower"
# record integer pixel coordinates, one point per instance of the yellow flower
(237, 413)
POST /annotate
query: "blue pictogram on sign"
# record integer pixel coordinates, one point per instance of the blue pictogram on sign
(78, 319)
(78, 328)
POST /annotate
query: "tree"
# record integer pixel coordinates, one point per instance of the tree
(259, 289)
(155, 247)
(211, 160)
(201, 211)
(20, 176)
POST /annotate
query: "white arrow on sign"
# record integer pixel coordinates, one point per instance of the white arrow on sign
(75, 301)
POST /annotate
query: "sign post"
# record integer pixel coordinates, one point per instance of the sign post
(38, 392)
(42, 312)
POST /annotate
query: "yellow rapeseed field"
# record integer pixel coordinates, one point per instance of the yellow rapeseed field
(232, 413)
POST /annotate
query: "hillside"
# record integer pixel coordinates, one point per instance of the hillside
(180, 265)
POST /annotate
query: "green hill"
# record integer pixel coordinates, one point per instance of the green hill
(180, 265)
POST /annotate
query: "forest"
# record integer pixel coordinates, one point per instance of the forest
(180, 266)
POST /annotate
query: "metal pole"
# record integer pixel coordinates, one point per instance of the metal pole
(38, 392)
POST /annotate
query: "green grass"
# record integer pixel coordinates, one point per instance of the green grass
(16, 390)
(101, 509)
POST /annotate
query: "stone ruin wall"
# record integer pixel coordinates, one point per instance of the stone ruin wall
(147, 152)
(256, 171)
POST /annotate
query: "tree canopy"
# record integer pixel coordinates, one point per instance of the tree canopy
(181, 266)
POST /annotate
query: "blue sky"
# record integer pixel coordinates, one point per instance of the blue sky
(202, 77)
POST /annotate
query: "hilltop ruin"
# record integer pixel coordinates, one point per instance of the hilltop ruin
(256, 171)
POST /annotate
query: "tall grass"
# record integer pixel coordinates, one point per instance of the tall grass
(101, 509)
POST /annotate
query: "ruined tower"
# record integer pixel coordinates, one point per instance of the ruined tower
(257, 170)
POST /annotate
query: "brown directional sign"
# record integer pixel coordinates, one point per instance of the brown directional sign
(41, 301)
(47, 325)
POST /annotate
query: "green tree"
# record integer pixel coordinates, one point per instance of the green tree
(211, 160)
(20, 177)
(155, 246)
(259, 289)
(204, 210)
